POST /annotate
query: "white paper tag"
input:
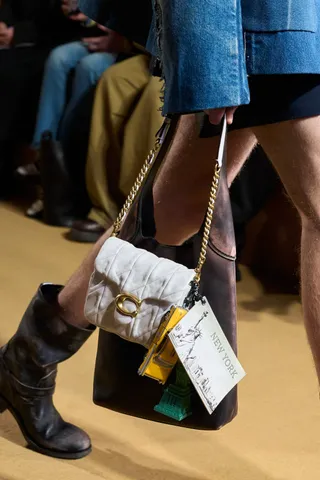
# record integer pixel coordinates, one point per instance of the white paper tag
(206, 354)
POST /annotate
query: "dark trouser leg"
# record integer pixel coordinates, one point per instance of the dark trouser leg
(20, 79)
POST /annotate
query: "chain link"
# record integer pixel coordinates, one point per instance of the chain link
(135, 189)
(208, 223)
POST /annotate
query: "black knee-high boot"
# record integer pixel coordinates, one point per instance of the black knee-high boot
(28, 368)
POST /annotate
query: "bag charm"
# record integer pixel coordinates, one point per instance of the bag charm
(161, 357)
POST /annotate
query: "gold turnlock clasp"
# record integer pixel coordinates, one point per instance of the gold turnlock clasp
(127, 297)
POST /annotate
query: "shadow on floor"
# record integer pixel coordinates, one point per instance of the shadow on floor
(102, 462)
(123, 465)
(133, 463)
(275, 304)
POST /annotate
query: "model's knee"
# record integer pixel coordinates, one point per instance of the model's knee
(310, 216)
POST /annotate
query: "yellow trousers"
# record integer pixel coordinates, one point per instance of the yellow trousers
(126, 116)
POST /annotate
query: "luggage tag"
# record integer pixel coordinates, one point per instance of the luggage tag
(162, 357)
(206, 355)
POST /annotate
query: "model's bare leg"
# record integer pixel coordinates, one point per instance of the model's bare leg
(294, 148)
(182, 187)
(239, 147)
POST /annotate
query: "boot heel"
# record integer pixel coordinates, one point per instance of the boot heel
(3, 405)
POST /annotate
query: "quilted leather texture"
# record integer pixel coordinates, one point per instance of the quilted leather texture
(121, 268)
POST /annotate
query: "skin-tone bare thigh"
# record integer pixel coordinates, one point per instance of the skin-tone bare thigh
(294, 149)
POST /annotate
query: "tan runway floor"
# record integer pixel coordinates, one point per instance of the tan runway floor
(276, 435)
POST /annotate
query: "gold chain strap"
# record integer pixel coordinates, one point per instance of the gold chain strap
(208, 223)
(136, 187)
(209, 215)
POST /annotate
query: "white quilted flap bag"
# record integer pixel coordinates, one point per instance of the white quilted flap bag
(131, 290)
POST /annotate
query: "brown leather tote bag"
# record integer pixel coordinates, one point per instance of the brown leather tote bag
(117, 385)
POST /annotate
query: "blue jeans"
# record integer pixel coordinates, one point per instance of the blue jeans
(54, 113)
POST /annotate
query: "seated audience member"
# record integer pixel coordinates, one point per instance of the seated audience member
(87, 59)
(126, 117)
(29, 29)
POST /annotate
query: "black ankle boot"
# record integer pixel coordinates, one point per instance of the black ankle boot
(28, 368)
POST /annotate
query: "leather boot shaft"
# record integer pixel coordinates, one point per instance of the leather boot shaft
(28, 368)
(43, 338)
(59, 195)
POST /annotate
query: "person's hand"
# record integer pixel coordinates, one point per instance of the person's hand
(113, 42)
(65, 7)
(97, 44)
(6, 35)
(217, 114)
(103, 28)
(77, 17)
